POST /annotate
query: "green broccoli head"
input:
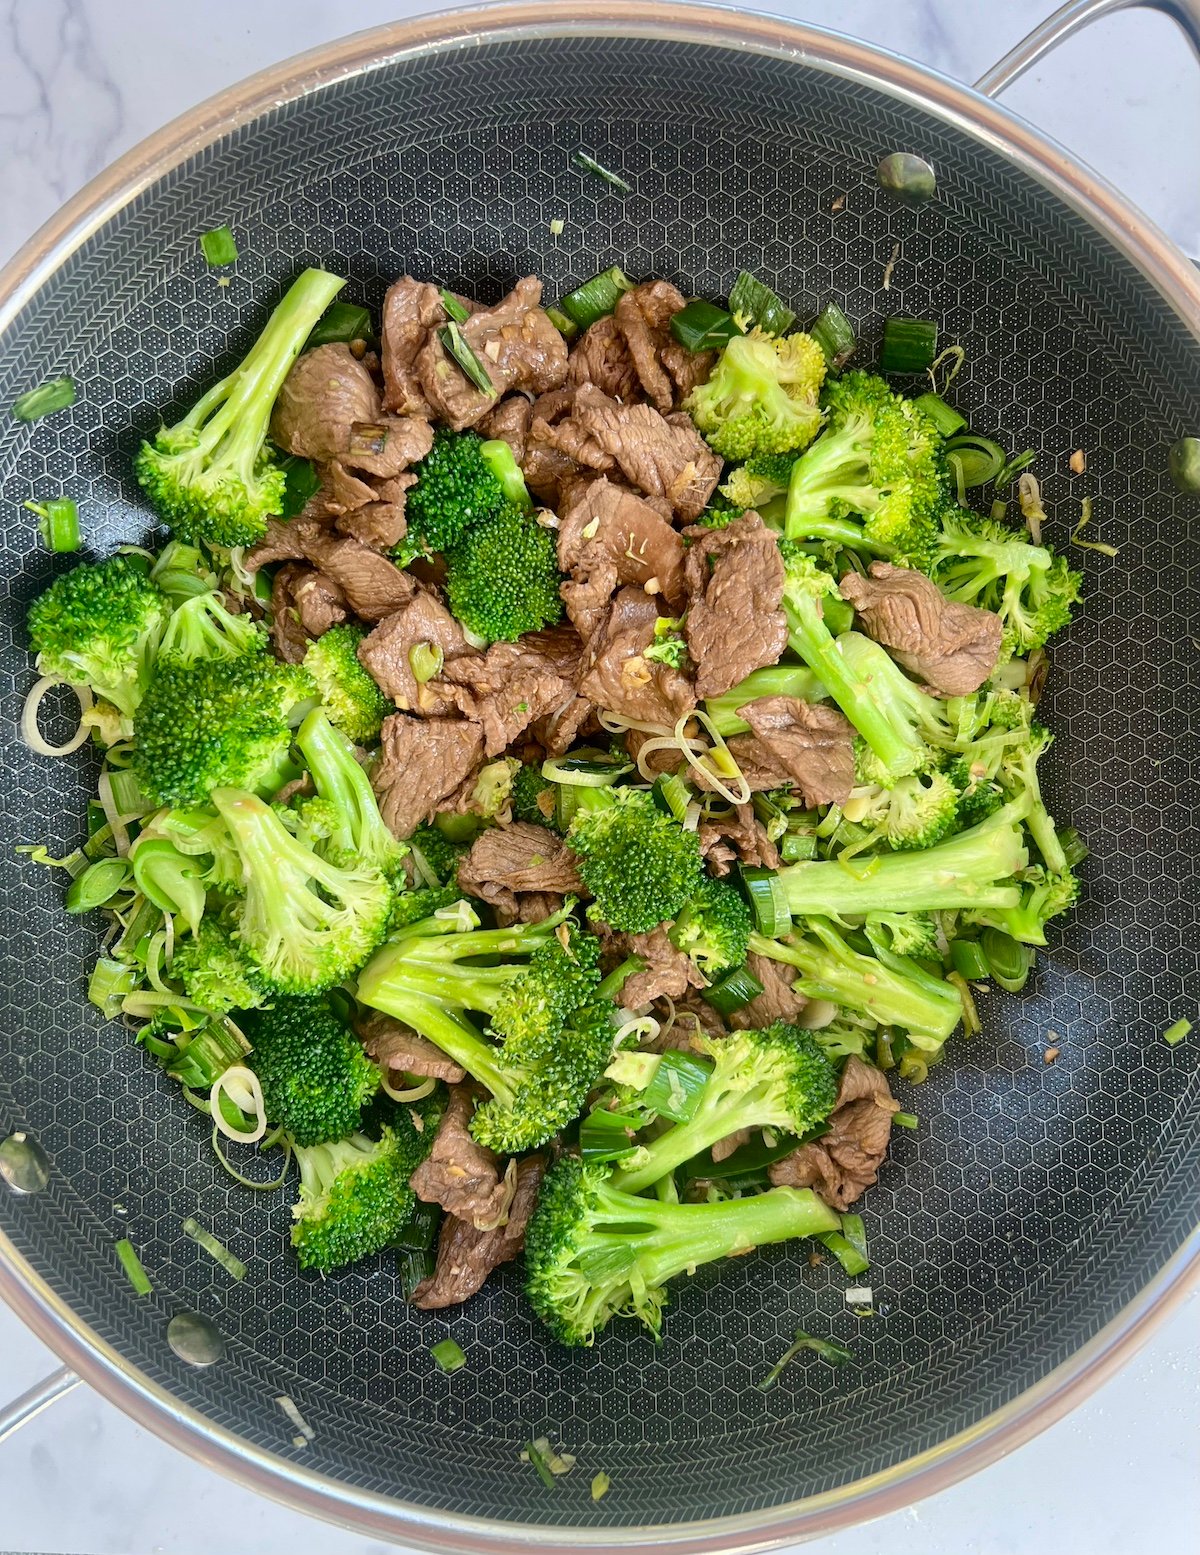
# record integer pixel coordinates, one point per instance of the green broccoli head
(438, 855)
(215, 723)
(905, 933)
(348, 694)
(502, 578)
(99, 625)
(1045, 894)
(456, 487)
(915, 812)
(213, 476)
(714, 928)
(216, 969)
(532, 795)
(315, 1077)
(641, 866)
(203, 627)
(761, 397)
(759, 481)
(669, 645)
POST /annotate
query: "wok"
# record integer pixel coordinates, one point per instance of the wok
(1025, 1236)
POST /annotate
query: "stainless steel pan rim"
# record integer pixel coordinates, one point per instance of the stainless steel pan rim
(1172, 277)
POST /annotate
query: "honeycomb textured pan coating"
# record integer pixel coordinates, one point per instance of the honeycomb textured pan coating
(1033, 1200)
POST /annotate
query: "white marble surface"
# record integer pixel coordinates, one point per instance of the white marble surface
(80, 82)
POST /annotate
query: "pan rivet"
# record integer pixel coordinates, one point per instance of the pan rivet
(24, 1165)
(195, 1338)
(1183, 461)
(910, 178)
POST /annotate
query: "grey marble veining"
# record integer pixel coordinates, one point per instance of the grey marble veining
(83, 80)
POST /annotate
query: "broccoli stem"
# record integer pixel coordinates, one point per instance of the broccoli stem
(964, 872)
(786, 680)
(453, 1033)
(717, 1116)
(1039, 820)
(340, 778)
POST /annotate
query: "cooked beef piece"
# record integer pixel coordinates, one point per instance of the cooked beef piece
(509, 422)
(661, 456)
(387, 445)
(616, 676)
(608, 537)
(410, 310)
(739, 835)
(373, 585)
(777, 1000)
(287, 540)
(953, 648)
(668, 973)
(384, 652)
(422, 762)
(396, 1048)
(287, 633)
(325, 393)
(716, 850)
(465, 1256)
(735, 584)
(601, 357)
(813, 743)
(843, 1163)
(549, 473)
(464, 1178)
(558, 731)
(513, 684)
(508, 862)
(381, 523)
(724, 1148)
(517, 345)
(666, 370)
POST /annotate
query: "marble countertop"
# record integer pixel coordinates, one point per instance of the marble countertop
(80, 82)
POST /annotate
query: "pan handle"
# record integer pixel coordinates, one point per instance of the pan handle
(40, 1396)
(1072, 18)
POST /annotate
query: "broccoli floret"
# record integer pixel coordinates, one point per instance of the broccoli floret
(761, 397)
(217, 723)
(669, 645)
(907, 933)
(348, 694)
(714, 928)
(777, 1078)
(759, 481)
(212, 476)
(315, 1077)
(977, 561)
(774, 680)
(307, 922)
(719, 513)
(502, 576)
(358, 833)
(203, 628)
(538, 994)
(216, 970)
(593, 1252)
(881, 458)
(978, 794)
(528, 787)
(1000, 750)
(641, 866)
(886, 989)
(1044, 895)
(915, 812)
(439, 855)
(410, 907)
(99, 625)
(355, 1196)
(455, 488)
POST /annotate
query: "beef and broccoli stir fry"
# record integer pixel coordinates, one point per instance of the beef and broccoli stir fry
(562, 766)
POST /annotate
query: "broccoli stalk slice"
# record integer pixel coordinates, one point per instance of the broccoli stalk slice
(972, 870)
(361, 832)
(786, 680)
(886, 989)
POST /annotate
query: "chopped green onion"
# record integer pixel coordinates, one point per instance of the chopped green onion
(1011, 962)
(420, 1228)
(566, 327)
(702, 326)
(972, 1025)
(54, 394)
(999, 511)
(132, 1266)
(833, 333)
(127, 794)
(677, 1085)
(171, 880)
(980, 458)
(500, 459)
(768, 901)
(746, 1167)
(849, 1245)
(834, 1354)
(533, 1454)
(909, 345)
(1085, 519)
(341, 321)
(232, 1265)
(968, 959)
(425, 660)
(1176, 1032)
(672, 794)
(98, 884)
(109, 985)
(581, 771)
(601, 1484)
(557, 226)
(596, 298)
(458, 311)
(301, 482)
(58, 521)
(753, 303)
(37, 853)
(908, 177)
(1013, 466)
(797, 845)
(448, 1355)
(905, 1119)
(944, 417)
(733, 991)
(884, 1057)
(460, 352)
(590, 165)
(604, 1136)
(1074, 848)
(218, 246)
(414, 1265)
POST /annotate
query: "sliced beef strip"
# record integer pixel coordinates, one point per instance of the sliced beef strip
(511, 686)
(508, 862)
(953, 648)
(724, 1148)
(395, 1047)
(735, 584)
(421, 763)
(616, 676)
(387, 445)
(373, 585)
(558, 731)
(517, 345)
(384, 652)
(666, 370)
(466, 1179)
(601, 357)
(381, 523)
(410, 310)
(661, 456)
(287, 539)
(323, 396)
(510, 423)
(287, 633)
(812, 742)
(668, 973)
(465, 1256)
(738, 835)
(843, 1163)
(609, 537)
(777, 1001)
